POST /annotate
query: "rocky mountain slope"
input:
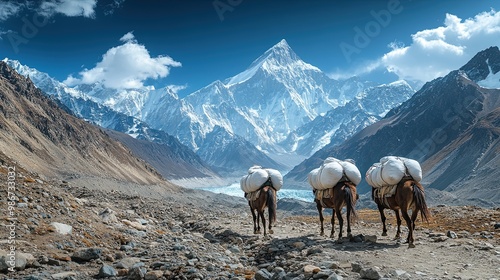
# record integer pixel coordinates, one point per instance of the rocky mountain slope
(168, 159)
(175, 156)
(439, 126)
(42, 138)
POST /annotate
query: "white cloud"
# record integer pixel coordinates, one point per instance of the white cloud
(70, 8)
(176, 88)
(435, 52)
(110, 8)
(126, 66)
(9, 9)
(129, 37)
(367, 67)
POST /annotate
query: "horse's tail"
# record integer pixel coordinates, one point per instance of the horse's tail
(419, 200)
(271, 204)
(350, 199)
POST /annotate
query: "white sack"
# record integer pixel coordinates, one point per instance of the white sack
(276, 178)
(393, 170)
(390, 170)
(257, 176)
(254, 180)
(313, 178)
(351, 171)
(413, 168)
(253, 168)
(330, 174)
(330, 159)
(368, 175)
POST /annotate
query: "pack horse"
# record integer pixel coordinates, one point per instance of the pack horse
(396, 185)
(260, 186)
(334, 186)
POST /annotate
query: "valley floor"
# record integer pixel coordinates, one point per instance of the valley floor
(144, 232)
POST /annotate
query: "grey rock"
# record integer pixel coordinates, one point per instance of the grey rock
(85, 255)
(451, 234)
(64, 275)
(263, 274)
(106, 271)
(356, 267)
(136, 273)
(335, 276)
(127, 262)
(370, 273)
(16, 260)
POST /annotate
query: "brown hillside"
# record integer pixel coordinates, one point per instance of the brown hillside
(42, 138)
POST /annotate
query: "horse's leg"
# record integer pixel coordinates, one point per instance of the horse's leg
(261, 214)
(338, 211)
(409, 223)
(414, 215)
(255, 222)
(270, 223)
(398, 220)
(332, 232)
(320, 211)
(348, 216)
(382, 217)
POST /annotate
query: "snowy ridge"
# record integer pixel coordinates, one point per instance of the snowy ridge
(492, 80)
(268, 105)
(277, 58)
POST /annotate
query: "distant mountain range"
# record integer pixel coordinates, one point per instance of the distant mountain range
(45, 140)
(277, 112)
(451, 126)
(177, 161)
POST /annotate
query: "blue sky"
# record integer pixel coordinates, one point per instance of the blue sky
(189, 44)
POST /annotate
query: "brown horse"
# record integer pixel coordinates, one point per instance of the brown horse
(409, 196)
(267, 198)
(342, 194)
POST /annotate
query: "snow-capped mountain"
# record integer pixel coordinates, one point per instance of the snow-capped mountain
(451, 126)
(343, 121)
(265, 104)
(176, 156)
(280, 105)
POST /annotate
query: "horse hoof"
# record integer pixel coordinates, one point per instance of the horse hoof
(384, 233)
(411, 245)
(271, 231)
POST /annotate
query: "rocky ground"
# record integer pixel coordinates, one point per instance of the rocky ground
(69, 231)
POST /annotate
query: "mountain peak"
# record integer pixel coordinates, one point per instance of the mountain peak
(283, 44)
(484, 62)
(277, 57)
(282, 52)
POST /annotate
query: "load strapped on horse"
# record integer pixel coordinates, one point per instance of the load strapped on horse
(334, 186)
(260, 186)
(396, 185)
